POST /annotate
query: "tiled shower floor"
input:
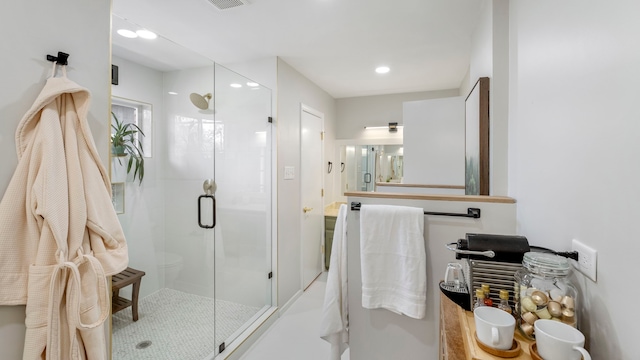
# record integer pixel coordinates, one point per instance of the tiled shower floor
(179, 326)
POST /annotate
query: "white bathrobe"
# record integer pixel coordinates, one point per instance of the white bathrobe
(59, 234)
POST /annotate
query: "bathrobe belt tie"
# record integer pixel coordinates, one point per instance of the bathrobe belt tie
(66, 278)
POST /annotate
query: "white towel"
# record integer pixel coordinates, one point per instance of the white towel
(334, 325)
(393, 259)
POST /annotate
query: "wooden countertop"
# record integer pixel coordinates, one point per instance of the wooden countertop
(332, 209)
(425, 186)
(450, 330)
(457, 328)
(467, 198)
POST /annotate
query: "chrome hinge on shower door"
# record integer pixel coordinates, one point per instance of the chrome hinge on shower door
(221, 348)
(270, 275)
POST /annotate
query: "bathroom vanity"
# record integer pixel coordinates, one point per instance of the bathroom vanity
(330, 216)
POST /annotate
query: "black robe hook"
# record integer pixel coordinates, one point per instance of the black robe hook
(61, 59)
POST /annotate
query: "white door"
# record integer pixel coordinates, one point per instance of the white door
(311, 178)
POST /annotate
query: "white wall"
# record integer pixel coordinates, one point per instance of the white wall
(434, 141)
(294, 89)
(357, 112)
(573, 131)
(53, 27)
(489, 57)
(481, 62)
(499, 101)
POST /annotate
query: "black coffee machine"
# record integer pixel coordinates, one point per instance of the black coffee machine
(487, 259)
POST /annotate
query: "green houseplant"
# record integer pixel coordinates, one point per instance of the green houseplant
(124, 142)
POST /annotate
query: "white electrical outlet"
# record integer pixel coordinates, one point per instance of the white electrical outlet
(587, 259)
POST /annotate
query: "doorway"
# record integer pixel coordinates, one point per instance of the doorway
(311, 192)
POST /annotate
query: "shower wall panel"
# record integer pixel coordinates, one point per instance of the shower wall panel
(142, 220)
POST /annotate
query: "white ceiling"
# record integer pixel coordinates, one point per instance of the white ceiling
(335, 43)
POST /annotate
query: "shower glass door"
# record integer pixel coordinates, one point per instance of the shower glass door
(243, 232)
(202, 284)
(366, 157)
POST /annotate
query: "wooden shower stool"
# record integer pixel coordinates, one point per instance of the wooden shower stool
(125, 278)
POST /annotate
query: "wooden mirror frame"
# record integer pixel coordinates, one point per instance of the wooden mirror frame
(477, 139)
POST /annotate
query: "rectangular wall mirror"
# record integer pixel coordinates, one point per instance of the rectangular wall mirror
(363, 166)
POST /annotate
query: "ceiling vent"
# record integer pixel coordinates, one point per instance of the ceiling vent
(227, 4)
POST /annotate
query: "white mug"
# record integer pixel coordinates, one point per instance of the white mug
(494, 327)
(558, 341)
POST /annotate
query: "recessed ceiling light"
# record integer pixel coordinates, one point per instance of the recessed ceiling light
(127, 33)
(382, 69)
(234, 85)
(252, 84)
(173, 93)
(146, 34)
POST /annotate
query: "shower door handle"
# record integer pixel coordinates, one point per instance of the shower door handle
(213, 204)
(209, 186)
(367, 178)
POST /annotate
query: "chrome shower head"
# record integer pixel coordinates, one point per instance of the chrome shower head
(200, 101)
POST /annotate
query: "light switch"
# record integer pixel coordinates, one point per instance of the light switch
(288, 172)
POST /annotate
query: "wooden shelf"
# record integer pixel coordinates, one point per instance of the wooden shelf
(119, 303)
(457, 333)
(128, 276)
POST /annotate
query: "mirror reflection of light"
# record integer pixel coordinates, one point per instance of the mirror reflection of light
(364, 152)
(401, 151)
(235, 85)
(252, 84)
(172, 93)
(261, 138)
(350, 149)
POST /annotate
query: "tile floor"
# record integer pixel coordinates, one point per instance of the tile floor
(294, 336)
(176, 325)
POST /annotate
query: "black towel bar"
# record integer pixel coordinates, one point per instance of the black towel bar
(471, 212)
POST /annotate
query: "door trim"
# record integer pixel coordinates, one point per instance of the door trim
(305, 108)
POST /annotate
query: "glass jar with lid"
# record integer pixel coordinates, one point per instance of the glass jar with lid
(542, 290)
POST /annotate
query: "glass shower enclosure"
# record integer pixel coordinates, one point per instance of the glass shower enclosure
(199, 223)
